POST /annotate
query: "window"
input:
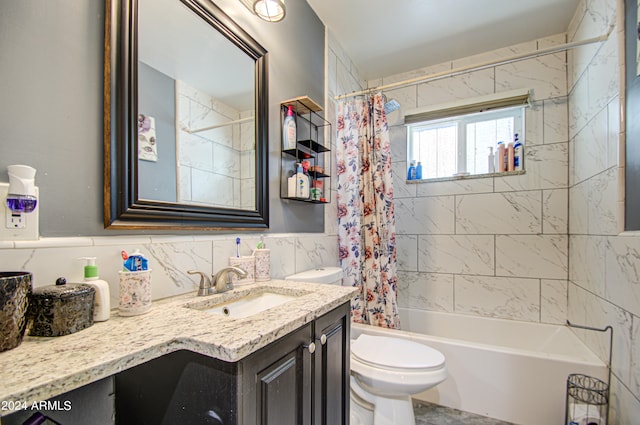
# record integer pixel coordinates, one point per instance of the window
(460, 145)
(456, 139)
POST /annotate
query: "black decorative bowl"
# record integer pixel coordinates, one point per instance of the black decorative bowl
(15, 291)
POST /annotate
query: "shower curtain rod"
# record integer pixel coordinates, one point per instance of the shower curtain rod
(211, 127)
(480, 66)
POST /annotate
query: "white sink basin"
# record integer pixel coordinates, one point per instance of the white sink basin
(249, 304)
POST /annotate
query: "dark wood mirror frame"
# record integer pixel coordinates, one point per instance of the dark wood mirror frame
(122, 207)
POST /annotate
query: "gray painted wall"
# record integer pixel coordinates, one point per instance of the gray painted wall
(157, 99)
(51, 108)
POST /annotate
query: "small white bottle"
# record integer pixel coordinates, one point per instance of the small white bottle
(289, 132)
(291, 186)
(102, 303)
(491, 161)
(302, 183)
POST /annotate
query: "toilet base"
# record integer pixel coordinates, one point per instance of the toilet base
(360, 411)
(368, 409)
(393, 411)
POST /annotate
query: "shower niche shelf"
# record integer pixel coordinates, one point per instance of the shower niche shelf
(312, 144)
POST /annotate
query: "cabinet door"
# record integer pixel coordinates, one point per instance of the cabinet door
(277, 382)
(182, 387)
(331, 379)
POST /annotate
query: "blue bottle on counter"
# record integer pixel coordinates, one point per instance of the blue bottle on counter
(419, 171)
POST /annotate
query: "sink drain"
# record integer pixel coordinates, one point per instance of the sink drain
(226, 311)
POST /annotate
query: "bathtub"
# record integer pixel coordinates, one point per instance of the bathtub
(504, 369)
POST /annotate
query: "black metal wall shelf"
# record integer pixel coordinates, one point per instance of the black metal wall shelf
(312, 145)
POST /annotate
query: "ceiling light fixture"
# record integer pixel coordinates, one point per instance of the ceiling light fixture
(269, 10)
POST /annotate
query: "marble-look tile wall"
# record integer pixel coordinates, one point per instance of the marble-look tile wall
(493, 246)
(220, 157)
(604, 261)
(169, 257)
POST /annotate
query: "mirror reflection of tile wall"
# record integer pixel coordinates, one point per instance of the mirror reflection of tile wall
(217, 166)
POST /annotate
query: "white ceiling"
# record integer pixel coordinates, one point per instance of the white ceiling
(174, 41)
(386, 37)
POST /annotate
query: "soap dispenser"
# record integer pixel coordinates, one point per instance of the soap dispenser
(302, 183)
(102, 307)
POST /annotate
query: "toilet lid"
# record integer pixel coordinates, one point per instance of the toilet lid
(390, 352)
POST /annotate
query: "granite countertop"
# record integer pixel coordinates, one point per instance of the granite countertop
(41, 368)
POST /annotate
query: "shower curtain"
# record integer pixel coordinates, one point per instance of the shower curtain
(366, 223)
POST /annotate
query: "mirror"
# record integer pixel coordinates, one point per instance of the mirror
(185, 118)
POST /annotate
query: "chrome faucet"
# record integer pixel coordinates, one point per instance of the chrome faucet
(205, 283)
(222, 280)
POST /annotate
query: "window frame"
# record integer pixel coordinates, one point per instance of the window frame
(461, 121)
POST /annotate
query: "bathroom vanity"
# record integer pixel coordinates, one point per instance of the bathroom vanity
(290, 381)
(180, 364)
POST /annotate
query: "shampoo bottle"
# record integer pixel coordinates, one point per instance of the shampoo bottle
(501, 156)
(289, 130)
(517, 154)
(101, 307)
(419, 171)
(302, 183)
(510, 156)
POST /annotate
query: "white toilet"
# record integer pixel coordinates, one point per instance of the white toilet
(385, 371)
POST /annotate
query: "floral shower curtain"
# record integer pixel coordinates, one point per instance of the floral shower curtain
(366, 222)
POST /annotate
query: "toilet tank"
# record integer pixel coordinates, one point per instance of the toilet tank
(328, 275)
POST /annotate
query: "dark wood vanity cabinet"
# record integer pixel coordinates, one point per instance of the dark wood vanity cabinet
(303, 378)
(276, 382)
(331, 368)
(300, 379)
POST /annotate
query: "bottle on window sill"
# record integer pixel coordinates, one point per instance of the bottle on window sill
(510, 156)
(491, 161)
(517, 154)
(411, 173)
(501, 157)
(419, 171)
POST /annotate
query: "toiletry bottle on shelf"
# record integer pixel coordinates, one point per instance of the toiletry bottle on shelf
(289, 130)
(101, 305)
(411, 173)
(510, 156)
(419, 171)
(302, 183)
(291, 186)
(317, 192)
(501, 153)
(518, 154)
(491, 161)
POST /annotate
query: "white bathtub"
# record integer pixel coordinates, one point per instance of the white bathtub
(508, 370)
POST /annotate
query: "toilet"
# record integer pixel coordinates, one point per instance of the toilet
(385, 371)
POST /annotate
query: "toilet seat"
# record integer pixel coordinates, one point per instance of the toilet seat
(396, 354)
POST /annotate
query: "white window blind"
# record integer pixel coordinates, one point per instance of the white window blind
(502, 100)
